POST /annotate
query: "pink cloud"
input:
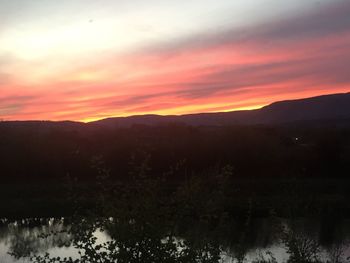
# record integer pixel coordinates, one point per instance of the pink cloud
(293, 58)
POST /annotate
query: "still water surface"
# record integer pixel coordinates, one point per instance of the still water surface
(35, 236)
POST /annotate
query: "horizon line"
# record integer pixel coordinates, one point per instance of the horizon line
(248, 108)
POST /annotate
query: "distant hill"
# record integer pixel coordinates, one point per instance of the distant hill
(321, 108)
(327, 108)
(307, 137)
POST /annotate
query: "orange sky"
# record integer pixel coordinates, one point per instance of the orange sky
(55, 75)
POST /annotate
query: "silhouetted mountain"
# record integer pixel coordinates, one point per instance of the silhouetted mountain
(327, 108)
(308, 137)
(321, 108)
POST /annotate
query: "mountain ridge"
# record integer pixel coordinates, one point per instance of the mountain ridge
(324, 107)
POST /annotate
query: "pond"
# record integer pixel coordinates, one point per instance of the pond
(54, 236)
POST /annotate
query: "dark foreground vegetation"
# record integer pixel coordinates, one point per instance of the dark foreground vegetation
(268, 163)
(178, 193)
(45, 151)
(192, 222)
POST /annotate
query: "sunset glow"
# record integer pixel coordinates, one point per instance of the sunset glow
(88, 60)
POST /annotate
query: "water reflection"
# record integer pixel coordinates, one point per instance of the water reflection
(201, 220)
(315, 240)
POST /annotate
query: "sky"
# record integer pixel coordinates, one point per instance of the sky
(85, 60)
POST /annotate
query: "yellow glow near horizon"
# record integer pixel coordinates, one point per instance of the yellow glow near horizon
(178, 111)
(87, 60)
